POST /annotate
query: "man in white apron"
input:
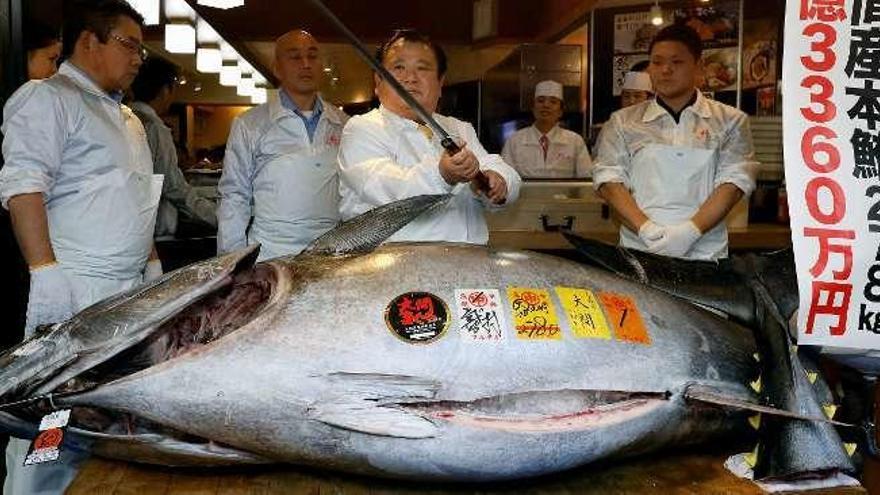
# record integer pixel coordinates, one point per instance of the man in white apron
(544, 150)
(673, 167)
(79, 186)
(387, 155)
(280, 164)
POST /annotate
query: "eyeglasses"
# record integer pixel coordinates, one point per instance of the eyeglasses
(133, 47)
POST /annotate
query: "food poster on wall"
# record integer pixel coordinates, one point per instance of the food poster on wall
(633, 32)
(717, 25)
(624, 64)
(719, 69)
(760, 52)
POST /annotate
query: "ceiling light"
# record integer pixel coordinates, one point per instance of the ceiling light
(656, 14)
(209, 60)
(179, 9)
(205, 33)
(221, 4)
(260, 79)
(229, 75)
(228, 52)
(149, 9)
(180, 38)
(245, 67)
(245, 86)
(259, 96)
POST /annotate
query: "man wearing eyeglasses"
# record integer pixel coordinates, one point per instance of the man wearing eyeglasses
(79, 186)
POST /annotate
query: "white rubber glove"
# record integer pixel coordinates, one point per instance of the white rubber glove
(679, 239)
(51, 298)
(651, 234)
(153, 270)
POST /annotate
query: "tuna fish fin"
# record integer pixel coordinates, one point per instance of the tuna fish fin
(709, 395)
(373, 419)
(369, 403)
(717, 285)
(367, 231)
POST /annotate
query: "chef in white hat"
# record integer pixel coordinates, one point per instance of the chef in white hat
(636, 88)
(545, 150)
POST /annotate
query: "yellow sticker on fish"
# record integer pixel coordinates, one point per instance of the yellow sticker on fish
(584, 314)
(533, 314)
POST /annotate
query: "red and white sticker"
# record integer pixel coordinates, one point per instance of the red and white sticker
(46, 447)
(480, 317)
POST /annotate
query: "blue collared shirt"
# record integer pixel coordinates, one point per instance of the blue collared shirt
(311, 123)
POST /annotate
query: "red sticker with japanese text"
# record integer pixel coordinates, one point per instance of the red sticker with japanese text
(624, 317)
(417, 317)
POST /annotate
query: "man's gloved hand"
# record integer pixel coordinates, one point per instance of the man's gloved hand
(679, 239)
(51, 298)
(153, 270)
(651, 234)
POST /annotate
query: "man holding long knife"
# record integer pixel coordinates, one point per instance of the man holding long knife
(396, 151)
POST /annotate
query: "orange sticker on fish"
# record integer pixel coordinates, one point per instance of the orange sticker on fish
(624, 317)
(533, 314)
(584, 314)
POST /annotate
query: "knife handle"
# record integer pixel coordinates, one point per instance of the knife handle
(452, 148)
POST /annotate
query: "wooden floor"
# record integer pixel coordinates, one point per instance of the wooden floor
(674, 474)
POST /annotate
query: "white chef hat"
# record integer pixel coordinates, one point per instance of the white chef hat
(638, 81)
(548, 88)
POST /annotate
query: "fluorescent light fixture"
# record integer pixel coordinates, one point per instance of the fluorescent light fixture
(179, 9)
(259, 96)
(149, 9)
(259, 79)
(180, 38)
(205, 33)
(229, 75)
(228, 52)
(245, 86)
(221, 4)
(209, 60)
(656, 14)
(245, 67)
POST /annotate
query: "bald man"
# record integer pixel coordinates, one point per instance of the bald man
(280, 166)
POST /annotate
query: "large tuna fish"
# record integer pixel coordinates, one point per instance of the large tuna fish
(424, 361)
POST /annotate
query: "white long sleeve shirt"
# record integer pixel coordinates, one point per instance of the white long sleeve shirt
(567, 154)
(384, 158)
(707, 124)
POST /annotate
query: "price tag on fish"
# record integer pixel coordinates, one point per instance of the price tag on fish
(625, 318)
(480, 317)
(46, 447)
(533, 314)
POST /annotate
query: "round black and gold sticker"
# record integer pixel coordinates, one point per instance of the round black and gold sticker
(417, 317)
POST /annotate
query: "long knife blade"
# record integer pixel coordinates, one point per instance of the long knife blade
(446, 140)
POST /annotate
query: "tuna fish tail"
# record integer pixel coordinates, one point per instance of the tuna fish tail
(790, 449)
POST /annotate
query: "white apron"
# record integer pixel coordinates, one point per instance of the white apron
(296, 198)
(669, 184)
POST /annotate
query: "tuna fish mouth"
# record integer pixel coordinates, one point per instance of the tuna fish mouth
(238, 301)
(222, 312)
(546, 412)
